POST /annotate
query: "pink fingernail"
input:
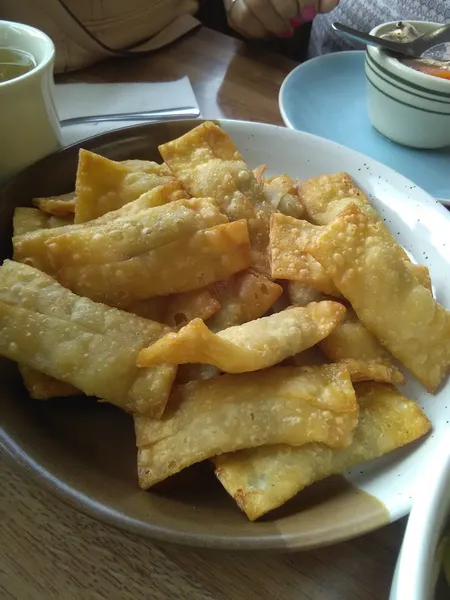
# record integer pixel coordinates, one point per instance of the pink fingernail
(296, 21)
(309, 13)
(287, 34)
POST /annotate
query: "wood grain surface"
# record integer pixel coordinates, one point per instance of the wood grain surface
(50, 551)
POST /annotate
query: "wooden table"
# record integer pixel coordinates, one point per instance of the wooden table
(49, 551)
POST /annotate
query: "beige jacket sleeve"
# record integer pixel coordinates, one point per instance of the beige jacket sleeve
(117, 24)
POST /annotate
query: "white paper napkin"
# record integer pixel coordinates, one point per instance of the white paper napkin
(91, 99)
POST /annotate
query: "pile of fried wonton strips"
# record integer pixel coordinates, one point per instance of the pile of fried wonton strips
(243, 320)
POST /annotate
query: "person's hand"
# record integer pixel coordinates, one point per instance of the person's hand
(266, 18)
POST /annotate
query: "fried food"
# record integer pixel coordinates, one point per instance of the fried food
(264, 478)
(104, 185)
(326, 196)
(43, 387)
(244, 297)
(284, 404)
(190, 263)
(27, 220)
(60, 206)
(90, 346)
(363, 260)
(182, 308)
(249, 347)
(289, 239)
(282, 194)
(208, 164)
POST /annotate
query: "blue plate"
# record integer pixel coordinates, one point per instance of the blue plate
(327, 96)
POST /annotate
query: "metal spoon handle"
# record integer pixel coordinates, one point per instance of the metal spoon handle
(151, 115)
(371, 40)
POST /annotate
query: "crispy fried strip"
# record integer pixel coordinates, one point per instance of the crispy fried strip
(366, 267)
(244, 297)
(27, 220)
(60, 206)
(182, 308)
(90, 346)
(43, 387)
(123, 238)
(284, 404)
(326, 196)
(104, 185)
(190, 263)
(264, 478)
(283, 196)
(33, 248)
(289, 239)
(255, 345)
(208, 164)
(352, 341)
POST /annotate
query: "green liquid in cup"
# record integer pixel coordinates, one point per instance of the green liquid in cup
(14, 63)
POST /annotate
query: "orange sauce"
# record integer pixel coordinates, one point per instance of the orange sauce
(434, 68)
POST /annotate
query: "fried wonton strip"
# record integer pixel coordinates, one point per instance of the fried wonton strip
(264, 478)
(146, 166)
(208, 164)
(60, 206)
(288, 404)
(91, 346)
(33, 248)
(129, 236)
(190, 263)
(289, 239)
(244, 297)
(43, 387)
(301, 294)
(283, 196)
(182, 308)
(255, 345)
(27, 220)
(366, 267)
(326, 196)
(352, 341)
(103, 185)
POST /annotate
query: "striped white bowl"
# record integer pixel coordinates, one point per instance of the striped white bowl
(405, 105)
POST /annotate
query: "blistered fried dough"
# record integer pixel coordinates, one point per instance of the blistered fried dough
(264, 478)
(103, 185)
(284, 404)
(352, 341)
(61, 206)
(129, 236)
(147, 166)
(255, 345)
(182, 308)
(27, 220)
(208, 164)
(43, 387)
(289, 239)
(244, 297)
(33, 248)
(326, 196)
(366, 267)
(190, 263)
(301, 294)
(90, 346)
(283, 196)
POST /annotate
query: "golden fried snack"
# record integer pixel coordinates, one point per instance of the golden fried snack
(43, 387)
(208, 164)
(244, 297)
(326, 196)
(90, 346)
(283, 196)
(27, 220)
(289, 239)
(366, 267)
(60, 206)
(132, 235)
(301, 294)
(182, 308)
(264, 478)
(190, 263)
(351, 341)
(249, 347)
(33, 248)
(284, 404)
(146, 166)
(103, 185)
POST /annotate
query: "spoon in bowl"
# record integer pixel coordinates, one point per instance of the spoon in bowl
(423, 46)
